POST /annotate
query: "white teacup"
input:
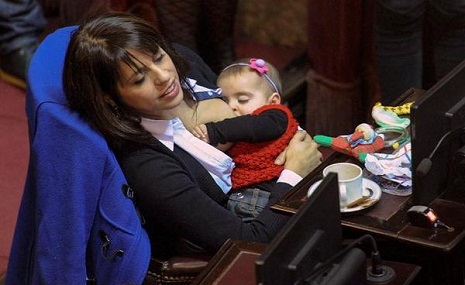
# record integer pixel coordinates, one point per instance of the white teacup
(350, 181)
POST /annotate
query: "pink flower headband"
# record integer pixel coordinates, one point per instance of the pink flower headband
(258, 65)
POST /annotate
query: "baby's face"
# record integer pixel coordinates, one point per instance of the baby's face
(245, 93)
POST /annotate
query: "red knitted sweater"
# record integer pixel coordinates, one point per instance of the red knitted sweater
(255, 161)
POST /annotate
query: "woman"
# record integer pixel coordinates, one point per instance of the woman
(131, 85)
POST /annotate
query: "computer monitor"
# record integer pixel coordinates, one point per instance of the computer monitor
(311, 237)
(438, 118)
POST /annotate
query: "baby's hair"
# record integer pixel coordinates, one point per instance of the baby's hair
(266, 69)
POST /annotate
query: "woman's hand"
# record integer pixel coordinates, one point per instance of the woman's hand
(301, 155)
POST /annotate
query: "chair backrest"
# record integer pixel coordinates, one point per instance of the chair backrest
(45, 74)
(77, 219)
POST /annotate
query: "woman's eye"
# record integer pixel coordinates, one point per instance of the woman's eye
(139, 80)
(158, 58)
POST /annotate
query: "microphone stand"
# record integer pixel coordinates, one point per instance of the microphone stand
(376, 273)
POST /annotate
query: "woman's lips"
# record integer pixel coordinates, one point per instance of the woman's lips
(172, 91)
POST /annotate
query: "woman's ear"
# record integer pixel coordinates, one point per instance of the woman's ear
(111, 103)
(274, 99)
(108, 100)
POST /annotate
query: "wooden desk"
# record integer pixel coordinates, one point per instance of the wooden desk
(440, 251)
(373, 219)
(234, 264)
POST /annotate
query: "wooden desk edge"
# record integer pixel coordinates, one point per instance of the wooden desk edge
(405, 272)
(225, 255)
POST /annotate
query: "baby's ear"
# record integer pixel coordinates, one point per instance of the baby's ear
(275, 99)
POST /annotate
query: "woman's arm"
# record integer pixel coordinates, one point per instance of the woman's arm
(168, 195)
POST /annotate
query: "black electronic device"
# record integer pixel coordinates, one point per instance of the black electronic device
(425, 217)
(310, 238)
(437, 132)
(422, 216)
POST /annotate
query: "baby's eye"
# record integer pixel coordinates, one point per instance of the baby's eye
(243, 101)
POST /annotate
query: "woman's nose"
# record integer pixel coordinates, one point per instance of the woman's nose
(160, 75)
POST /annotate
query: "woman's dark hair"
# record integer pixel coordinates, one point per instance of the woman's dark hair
(91, 73)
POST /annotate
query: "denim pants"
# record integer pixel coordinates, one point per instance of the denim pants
(21, 24)
(248, 203)
(399, 41)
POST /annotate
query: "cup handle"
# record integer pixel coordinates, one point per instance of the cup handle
(342, 195)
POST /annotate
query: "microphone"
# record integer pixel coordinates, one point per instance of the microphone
(425, 164)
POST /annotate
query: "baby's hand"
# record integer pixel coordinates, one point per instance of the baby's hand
(201, 132)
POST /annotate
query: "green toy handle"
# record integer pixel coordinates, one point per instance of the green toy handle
(323, 140)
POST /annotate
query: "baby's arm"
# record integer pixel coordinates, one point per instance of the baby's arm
(265, 126)
(201, 132)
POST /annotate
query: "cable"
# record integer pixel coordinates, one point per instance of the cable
(377, 272)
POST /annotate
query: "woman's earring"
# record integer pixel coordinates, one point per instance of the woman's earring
(116, 111)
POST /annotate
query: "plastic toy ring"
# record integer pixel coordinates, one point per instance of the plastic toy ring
(393, 135)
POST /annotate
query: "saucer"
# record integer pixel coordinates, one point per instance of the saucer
(374, 195)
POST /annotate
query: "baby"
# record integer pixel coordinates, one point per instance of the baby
(263, 126)
(260, 132)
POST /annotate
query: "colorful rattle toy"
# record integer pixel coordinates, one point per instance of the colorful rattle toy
(362, 141)
(386, 117)
(403, 109)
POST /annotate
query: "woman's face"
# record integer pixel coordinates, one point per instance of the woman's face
(154, 88)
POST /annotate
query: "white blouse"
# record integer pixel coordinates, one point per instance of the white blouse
(170, 132)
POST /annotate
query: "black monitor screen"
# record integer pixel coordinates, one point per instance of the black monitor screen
(311, 236)
(437, 120)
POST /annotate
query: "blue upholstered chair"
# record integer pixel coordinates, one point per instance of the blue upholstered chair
(77, 220)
